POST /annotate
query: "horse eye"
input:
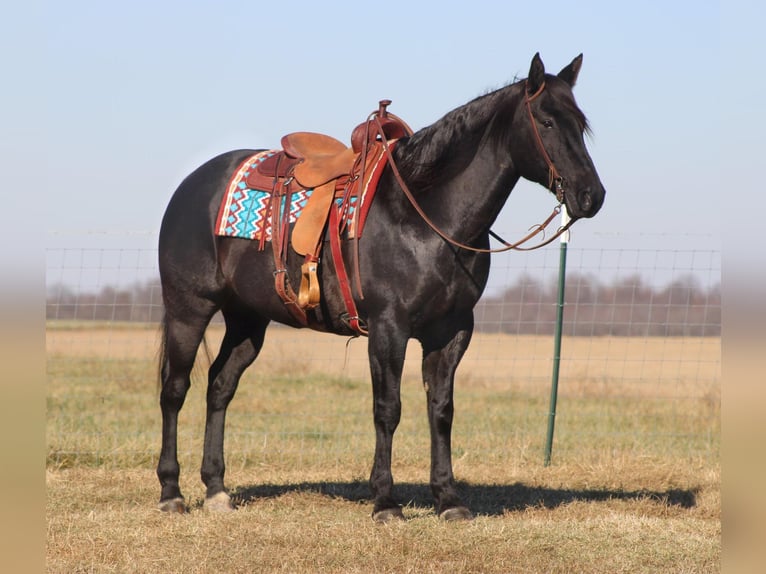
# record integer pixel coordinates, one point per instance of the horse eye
(548, 123)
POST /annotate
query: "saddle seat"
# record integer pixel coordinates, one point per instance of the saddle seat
(321, 158)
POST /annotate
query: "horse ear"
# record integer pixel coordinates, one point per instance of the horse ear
(536, 74)
(570, 73)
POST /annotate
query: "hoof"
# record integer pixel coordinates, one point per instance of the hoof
(456, 513)
(220, 502)
(388, 515)
(174, 505)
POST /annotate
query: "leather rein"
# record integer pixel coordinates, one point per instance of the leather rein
(555, 183)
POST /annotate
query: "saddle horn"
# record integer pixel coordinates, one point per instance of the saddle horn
(393, 127)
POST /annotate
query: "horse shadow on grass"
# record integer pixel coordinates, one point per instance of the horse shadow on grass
(482, 499)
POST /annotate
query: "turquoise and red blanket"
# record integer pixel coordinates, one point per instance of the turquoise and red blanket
(243, 211)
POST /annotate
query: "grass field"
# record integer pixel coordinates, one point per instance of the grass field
(634, 485)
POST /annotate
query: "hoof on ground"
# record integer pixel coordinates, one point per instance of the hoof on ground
(456, 513)
(220, 502)
(388, 515)
(173, 505)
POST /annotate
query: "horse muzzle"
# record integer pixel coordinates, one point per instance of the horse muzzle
(585, 202)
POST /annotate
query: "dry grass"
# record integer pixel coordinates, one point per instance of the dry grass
(514, 359)
(635, 484)
(102, 521)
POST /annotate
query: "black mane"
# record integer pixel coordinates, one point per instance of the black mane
(438, 152)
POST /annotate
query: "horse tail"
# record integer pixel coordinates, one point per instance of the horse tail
(208, 353)
(162, 358)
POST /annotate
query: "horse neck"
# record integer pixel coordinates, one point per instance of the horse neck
(458, 170)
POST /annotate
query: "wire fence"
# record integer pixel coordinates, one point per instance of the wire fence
(640, 366)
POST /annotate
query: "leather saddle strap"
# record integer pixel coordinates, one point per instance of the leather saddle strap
(354, 321)
(366, 188)
(279, 231)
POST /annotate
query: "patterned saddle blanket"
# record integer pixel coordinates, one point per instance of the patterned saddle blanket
(243, 212)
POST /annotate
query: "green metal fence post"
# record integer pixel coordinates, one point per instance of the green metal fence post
(557, 338)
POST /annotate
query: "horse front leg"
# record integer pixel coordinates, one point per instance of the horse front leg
(441, 355)
(386, 348)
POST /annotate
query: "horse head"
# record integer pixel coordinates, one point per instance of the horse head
(550, 149)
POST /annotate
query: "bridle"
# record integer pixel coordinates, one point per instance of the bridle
(555, 183)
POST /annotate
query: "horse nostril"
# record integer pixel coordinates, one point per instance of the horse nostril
(585, 200)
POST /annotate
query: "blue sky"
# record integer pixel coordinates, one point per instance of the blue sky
(134, 95)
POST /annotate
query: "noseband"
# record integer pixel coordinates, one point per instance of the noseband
(555, 183)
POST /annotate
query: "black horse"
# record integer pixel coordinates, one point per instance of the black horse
(460, 171)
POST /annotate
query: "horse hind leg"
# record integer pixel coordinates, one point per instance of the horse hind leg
(241, 344)
(181, 340)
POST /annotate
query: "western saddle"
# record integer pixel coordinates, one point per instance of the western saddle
(330, 169)
(314, 159)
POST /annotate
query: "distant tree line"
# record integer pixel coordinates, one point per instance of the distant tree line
(626, 307)
(140, 302)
